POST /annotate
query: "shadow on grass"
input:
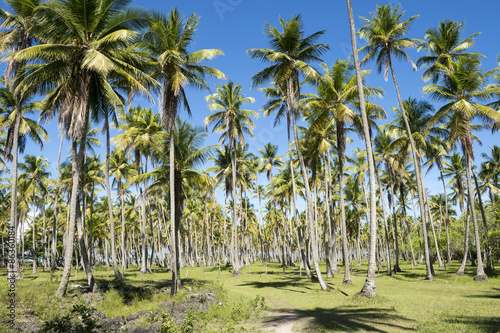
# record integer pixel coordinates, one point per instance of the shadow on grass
(347, 319)
(483, 324)
(283, 284)
(495, 294)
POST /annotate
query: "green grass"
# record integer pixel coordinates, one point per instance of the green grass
(406, 301)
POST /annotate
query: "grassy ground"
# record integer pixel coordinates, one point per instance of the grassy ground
(406, 302)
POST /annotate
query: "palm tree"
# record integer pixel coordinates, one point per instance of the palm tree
(461, 87)
(87, 41)
(142, 130)
(121, 169)
(168, 41)
(34, 179)
(17, 124)
(445, 47)
(337, 97)
(268, 161)
(233, 122)
(369, 288)
(290, 54)
(418, 114)
(385, 35)
(189, 154)
(16, 37)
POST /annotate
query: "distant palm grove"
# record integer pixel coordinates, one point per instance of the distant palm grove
(151, 199)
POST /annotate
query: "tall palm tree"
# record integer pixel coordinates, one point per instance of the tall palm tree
(142, 130)
(369, 288)
(122, 170)
(233, 122)
(87, 41)
(16, 37)
(289, 56)
(444, 45)
(385, 33)
(34, 179)
(463, 89)
(337, 98)
(189, 154)
(168, 40)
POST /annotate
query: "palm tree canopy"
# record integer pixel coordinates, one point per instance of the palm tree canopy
(444, 47)
(289, 53)
(229, 119)
(385, 33)
(86, 42)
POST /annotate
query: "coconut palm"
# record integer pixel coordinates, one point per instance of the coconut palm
(385, 32)
(168, 40)
(444, 45)
(369, 288)
(463, 89)
(34, 179)
(122, 170)
(15, 37)
(189, 154)
(290, 55)
(87, 41)
(337, 98)
(233, 122)
(142, 130)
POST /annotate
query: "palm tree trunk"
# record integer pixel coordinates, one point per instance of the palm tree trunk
(326, 219)
(124, 239)
(83, 250)
(14, 266)
(56, 211)
(447, 217)
(76, 167)
(343, 230)
(234, 223)
(420, 188)
(304, 257)
(461, 270)
(489, 264)
(396, 235)
(173, 230)
(369, 289)
(480, 275)
(386, 227)
(292, 99)
(34, 236)
(116, 270)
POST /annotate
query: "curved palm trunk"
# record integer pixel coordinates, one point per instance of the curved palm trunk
(303, 257)
(480, 275)
(56, 211)
(369, 288)
(309, 208)
(116, 270)
(77, 162)
(461, 270)
(345, 247)
(420, 188)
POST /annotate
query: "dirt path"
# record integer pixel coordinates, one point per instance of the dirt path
(281, 321)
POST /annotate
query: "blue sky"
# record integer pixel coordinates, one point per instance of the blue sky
(235, 26)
